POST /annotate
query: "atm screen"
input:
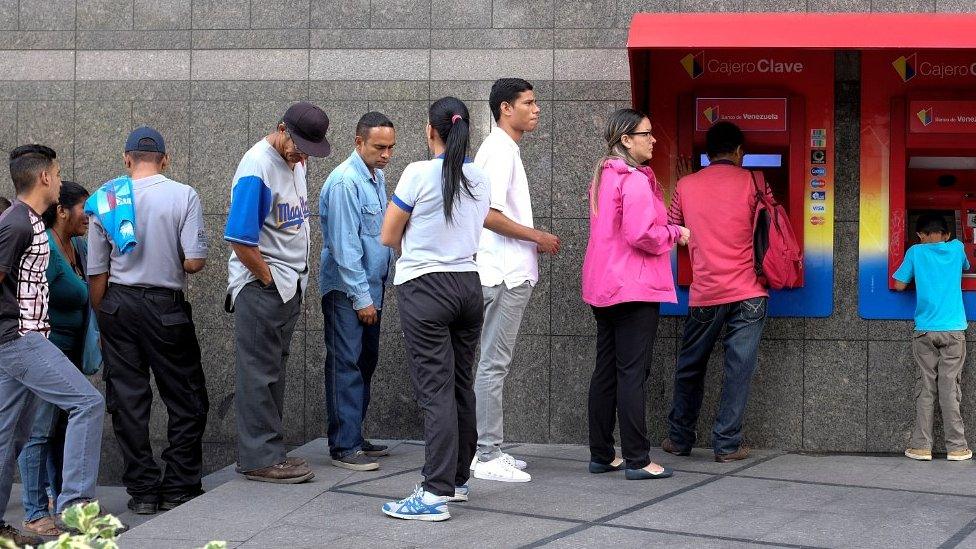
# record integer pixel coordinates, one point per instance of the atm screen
(754, 161)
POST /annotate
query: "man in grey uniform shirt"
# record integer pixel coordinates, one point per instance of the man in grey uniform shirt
(268, 230)
(147, 326)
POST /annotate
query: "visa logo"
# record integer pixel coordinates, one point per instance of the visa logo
(818, 208)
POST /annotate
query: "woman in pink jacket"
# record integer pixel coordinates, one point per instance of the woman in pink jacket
(626, 276)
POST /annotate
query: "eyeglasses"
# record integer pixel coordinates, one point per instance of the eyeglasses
(640, 133)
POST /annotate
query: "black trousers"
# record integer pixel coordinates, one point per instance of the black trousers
(151, 330)
(441, 316)
(625, 336)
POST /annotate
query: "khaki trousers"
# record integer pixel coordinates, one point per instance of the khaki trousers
(940, 357)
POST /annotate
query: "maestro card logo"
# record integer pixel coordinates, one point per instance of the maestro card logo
(694, 64)
(925, 116)
(905, 66)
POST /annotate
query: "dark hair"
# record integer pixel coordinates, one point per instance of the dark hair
(505, 90)
(146, 156)
(26, 164)
(4, 204)
(449, 118)
(72, 194)
(723, 138)
(372, 120)
(929, 223)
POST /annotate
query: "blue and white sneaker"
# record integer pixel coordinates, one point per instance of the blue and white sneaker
(460, 494)
(421, 505)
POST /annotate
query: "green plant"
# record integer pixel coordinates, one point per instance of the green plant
(90, 530)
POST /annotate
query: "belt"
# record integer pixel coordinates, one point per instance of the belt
(151, 292)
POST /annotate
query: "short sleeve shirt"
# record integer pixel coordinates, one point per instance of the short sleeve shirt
(937, 270)
(502, 259)
(430, 243)
(269, 210)
(24, 256)
(170, 229)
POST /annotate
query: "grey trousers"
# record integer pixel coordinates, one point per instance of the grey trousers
(940, 357)
(33, 369)
(503, 316)
(441, 316)
(263, 328)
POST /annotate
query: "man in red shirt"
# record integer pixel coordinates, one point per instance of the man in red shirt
(717, 204)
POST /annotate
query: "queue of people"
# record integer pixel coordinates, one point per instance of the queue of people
(462, 228)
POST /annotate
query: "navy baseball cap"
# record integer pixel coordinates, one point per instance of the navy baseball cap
(307, 125)
(145, 139)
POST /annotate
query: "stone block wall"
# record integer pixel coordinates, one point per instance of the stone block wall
(214, 76)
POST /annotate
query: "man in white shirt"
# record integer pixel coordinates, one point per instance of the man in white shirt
(508, 267)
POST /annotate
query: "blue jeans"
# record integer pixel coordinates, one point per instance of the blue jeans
(352, 351)
(32, 369)
(743, 321)
(40, 461)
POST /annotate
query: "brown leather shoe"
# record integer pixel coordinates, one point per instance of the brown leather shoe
(19, 538)
(281, 473)
(670, 447)
(295, 461)
(741, 453)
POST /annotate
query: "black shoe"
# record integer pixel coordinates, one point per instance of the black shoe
(597, 467)
(142, 507)
(375, 450)
(173, 501)
(644, 474)
(356, 462)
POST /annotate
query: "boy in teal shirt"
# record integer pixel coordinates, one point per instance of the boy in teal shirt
(939, 342)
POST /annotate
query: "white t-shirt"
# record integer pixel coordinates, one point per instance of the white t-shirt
(500, 258)
(430, 244)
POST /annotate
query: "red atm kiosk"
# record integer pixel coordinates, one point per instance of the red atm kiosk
(918, 153)
(689, 71)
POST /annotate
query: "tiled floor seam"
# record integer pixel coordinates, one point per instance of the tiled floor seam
(959, 536)
(603, 521)
(788, 480)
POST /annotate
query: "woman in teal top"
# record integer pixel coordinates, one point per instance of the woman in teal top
(68, 311)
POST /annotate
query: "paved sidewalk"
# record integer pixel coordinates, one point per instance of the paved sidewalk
(772, 499)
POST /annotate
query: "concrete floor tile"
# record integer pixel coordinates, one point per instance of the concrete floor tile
(619, 538)
(559, 488)
(893, 472)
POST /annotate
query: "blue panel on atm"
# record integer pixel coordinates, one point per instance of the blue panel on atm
(754, 161)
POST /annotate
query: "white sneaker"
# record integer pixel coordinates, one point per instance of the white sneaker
(514, 462)
(501, 470)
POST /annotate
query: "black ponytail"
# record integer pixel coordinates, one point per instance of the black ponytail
(449, 118)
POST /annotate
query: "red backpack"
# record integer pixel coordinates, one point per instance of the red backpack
(778, 259)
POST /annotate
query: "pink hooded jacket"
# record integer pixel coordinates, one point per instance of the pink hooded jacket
(627, 256)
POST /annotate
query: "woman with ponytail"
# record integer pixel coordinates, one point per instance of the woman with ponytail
(434, 221)
(626, 276)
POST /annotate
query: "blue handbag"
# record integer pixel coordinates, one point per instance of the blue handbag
(92, 358)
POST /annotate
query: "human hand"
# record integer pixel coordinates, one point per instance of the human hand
(368, 316)
(684, 235)
(547, 243)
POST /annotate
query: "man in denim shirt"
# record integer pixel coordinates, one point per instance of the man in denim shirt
(353, 274)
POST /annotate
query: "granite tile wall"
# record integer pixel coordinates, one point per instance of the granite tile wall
(214, 76)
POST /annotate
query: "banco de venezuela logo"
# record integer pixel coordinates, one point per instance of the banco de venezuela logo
(694, 64)
(905, 66)
(711, 114)
(925, 116)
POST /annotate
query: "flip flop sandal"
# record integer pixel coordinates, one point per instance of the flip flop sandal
(44, 526)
